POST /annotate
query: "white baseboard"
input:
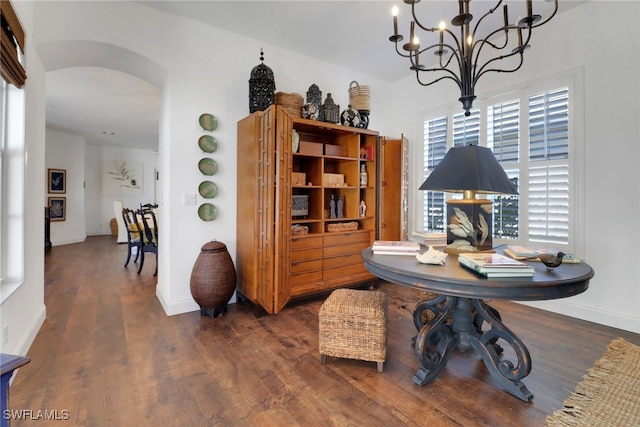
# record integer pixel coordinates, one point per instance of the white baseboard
(32, 332)
(176, 307)
(590, 314)
(183, 306)
(55, 243)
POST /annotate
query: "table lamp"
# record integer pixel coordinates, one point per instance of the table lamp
(469, 170)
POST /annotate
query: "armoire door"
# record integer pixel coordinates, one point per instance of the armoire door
(393, 173)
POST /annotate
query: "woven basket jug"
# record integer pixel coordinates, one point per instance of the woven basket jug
(213, 279)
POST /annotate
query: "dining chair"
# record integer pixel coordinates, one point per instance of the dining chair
(122, 232)
(133, 235)
(146, 219)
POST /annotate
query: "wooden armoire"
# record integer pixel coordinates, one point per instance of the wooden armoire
(393, 182)
(304, 214)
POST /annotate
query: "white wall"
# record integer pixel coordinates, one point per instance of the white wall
(193, 83)
(89, 211)
(99, 206)
(64, 151)
(610, 144)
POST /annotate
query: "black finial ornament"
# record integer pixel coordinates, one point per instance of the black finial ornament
(262, 87)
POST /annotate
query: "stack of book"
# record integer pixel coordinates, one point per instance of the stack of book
(429, 239)
(531, 254)
(494, 265)
(395, 247)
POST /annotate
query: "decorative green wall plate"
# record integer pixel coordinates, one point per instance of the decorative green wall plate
(208, 189)
(207, 166)
(207, 143)
(207, 212)
(208, 122)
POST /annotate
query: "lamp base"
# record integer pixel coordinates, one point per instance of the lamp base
(469, 225)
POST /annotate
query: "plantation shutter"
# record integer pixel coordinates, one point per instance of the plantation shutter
(435, 147)
(549, 167)
(503, 138)
(466, 129)
(12, 38)
(503, 130)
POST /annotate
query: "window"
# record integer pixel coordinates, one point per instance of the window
(549, 181)
(530, 133)
(12, 127)
(12, 149)
(503, 137)
(466, 129)
(435, 147)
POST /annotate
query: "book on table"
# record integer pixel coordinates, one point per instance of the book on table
(524, 252)
(429, 239)
(495, 265)
(395, 247)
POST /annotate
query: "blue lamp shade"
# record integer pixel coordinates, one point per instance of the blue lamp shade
(469, 170)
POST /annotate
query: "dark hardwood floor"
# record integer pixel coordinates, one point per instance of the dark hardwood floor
(109, 355)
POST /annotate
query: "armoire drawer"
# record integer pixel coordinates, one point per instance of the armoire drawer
(346, 249)
(306, 242)
(306, 266)
(347, 238)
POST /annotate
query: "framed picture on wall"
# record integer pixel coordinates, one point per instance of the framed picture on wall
(57, 208)
(57, 181)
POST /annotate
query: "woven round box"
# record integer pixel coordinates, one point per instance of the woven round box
(213, 279)
(291, 102)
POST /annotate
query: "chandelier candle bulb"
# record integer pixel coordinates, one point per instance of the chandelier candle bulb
(412, 31)
(394, 12)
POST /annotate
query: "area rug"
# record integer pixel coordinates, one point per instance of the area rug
(608, 395)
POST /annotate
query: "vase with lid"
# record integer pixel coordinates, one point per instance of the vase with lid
(213, 279)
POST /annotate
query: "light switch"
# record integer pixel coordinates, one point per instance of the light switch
(189, 199)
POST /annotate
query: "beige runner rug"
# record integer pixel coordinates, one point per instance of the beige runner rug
(608, 395)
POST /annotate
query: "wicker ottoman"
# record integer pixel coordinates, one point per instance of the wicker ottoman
(353, 325)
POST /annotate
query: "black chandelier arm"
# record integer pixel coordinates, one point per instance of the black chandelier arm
(486, 40)
(482, 71)
(457, 48)
(417, 21)
(437, 48)
(402, 54)
(489, 12)
(422, 27)
(479, 72)
(555, 10)
(451, 77)
(481, 44)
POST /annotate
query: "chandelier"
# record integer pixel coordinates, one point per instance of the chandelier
(475, 52)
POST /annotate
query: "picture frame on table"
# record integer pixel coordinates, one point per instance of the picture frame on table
(57, 208)
(57, 181)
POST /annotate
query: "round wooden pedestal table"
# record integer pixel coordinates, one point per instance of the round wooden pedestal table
(463, 320)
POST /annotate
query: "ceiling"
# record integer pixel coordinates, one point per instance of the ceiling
(108, 107)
